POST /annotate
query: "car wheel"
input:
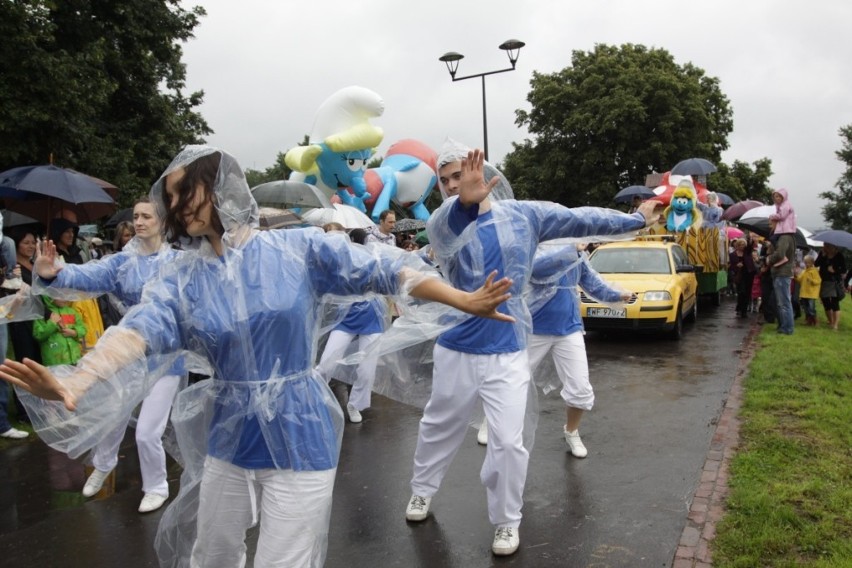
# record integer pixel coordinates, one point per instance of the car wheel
(693, 313)
(676, 332)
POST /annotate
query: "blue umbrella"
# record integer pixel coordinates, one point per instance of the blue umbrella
(834, 237)
(627, 194)
(693, 167)
(724, 199)
(26, 188)
(52, 181)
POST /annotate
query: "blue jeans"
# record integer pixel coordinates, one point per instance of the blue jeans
(781, 287)
(809, 306)
(4, 386)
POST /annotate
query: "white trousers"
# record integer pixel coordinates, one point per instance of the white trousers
(335, 348)
(572, 366)
(294, 511)
(152, 421)
(459, 380)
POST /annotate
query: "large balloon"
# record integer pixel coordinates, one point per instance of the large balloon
(407, 176)
(340, 145)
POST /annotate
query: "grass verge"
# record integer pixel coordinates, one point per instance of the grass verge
(790, 500)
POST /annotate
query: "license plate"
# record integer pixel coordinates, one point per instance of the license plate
(606, 313)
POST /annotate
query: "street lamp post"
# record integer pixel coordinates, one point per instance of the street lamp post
(512, 47)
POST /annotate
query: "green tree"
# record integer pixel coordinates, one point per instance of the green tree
(742, 181)
(275, 172)
(838, 211)
(612, 117)
(98, 86)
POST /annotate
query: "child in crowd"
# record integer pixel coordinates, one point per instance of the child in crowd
(60, 333)
(810, 281)
(755, 284)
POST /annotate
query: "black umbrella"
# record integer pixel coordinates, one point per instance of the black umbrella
(120, 217)
(737, 210)
(693, 167)
(761, 226)
(12, 219)
(834, 237)
(627, 194)
(289, 194)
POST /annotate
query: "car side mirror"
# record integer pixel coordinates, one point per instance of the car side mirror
(696, 268)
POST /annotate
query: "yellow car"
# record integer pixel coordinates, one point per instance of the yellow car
(659, 273)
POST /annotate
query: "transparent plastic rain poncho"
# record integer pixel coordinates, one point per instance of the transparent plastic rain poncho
(252, 314)
(558, 269)
(454, 151)
(121, 277)
(404, 371)
(23, 305)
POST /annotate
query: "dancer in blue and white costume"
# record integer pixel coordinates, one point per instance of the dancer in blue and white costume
(487, 361)
(122, 276)
(557, 327)
(365, 322)
(247, 302)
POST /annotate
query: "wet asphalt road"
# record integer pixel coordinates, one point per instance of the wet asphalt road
(625, 505)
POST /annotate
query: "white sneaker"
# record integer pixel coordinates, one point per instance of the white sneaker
(152, 502)
(578, 450)
(418, 508)
(354, 414)
(95, 482)
(482, 433)
(14, 433)
(506, 541)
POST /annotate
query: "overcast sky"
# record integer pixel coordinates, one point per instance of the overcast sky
(266, 65)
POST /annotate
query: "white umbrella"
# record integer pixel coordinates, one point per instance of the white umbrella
(346, 215)
(762, 212)
(811, 242)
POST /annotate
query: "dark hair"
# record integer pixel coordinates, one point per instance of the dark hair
(358, 236)
(17, 234)
(203, 172)
(385, 213)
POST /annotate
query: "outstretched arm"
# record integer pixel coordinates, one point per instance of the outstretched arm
(482, 302)
(114, 351)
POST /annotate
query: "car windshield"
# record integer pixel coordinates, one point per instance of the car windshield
(631, 261)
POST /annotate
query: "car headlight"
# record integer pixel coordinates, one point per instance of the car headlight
(657, 296)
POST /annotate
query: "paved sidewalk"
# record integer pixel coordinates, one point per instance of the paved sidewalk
(708, 504)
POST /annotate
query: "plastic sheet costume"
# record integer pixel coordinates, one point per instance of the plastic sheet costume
(122, 276)
(251, 312)
(554, 303)
(490, 360)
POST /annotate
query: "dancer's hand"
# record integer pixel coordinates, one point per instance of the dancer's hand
(38, 380)
(484, 301)
(472, 186)
(652, 210)
(45, 259)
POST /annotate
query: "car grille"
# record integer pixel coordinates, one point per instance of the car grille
(586, 300)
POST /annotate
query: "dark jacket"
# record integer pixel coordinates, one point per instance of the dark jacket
(74, 255)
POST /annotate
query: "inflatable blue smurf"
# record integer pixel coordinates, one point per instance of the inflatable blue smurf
(340, 145)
